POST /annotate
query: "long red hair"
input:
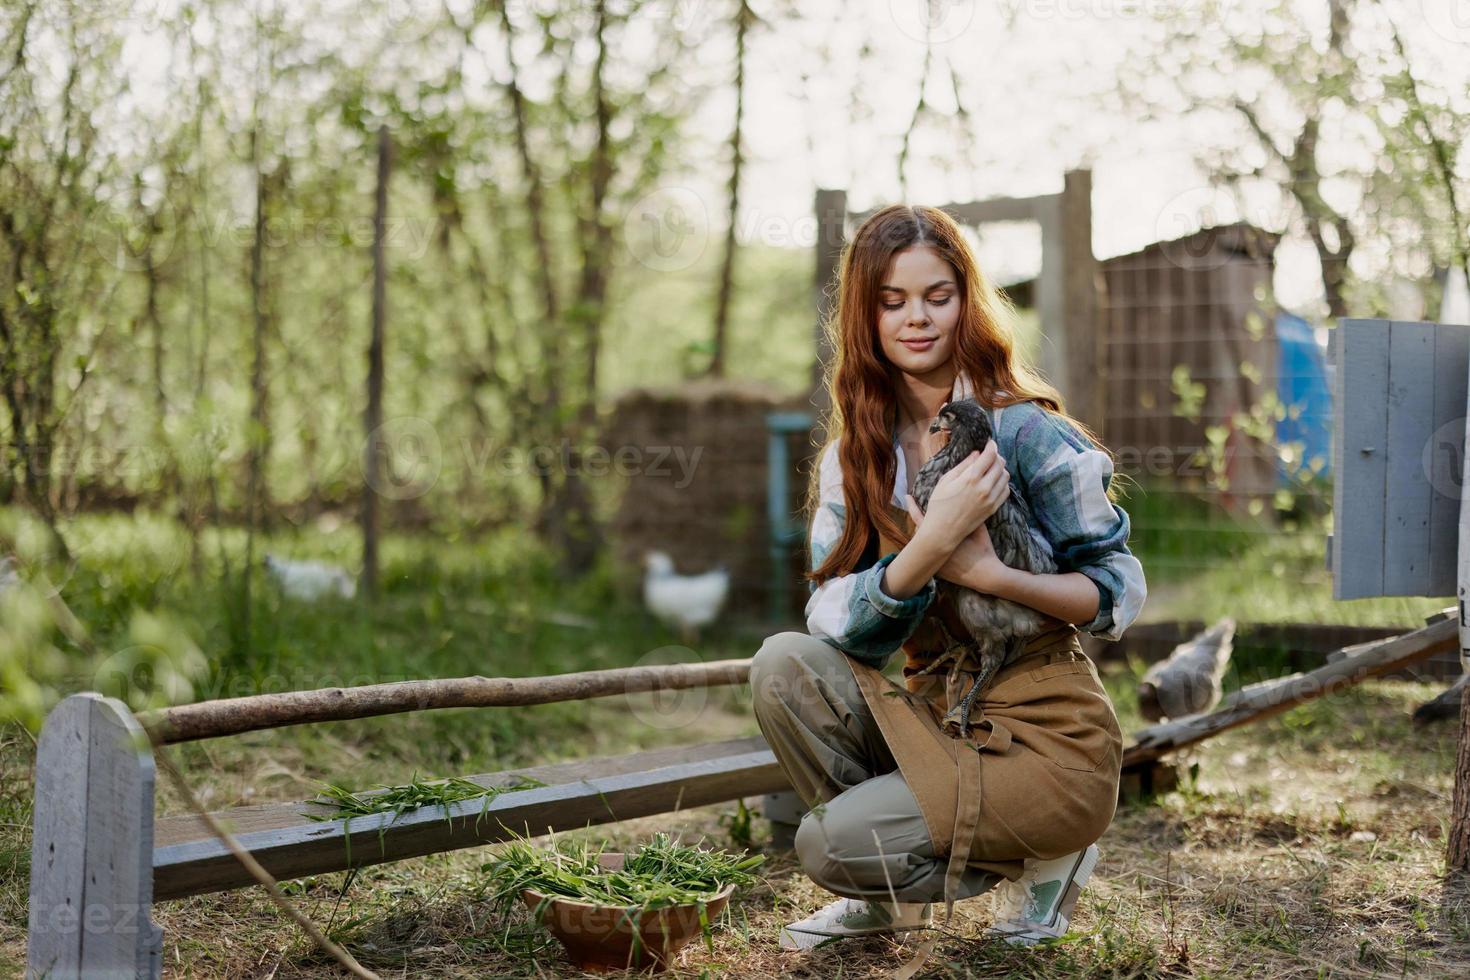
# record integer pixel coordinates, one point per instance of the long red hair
(859, 379)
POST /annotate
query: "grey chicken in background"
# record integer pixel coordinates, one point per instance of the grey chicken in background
(998, 627)
(1445, 705)
(1189, 680)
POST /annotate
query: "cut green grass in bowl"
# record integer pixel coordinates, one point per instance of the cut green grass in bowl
(660, 873)
(612, 911)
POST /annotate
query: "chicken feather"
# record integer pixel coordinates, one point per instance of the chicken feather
(999, 628)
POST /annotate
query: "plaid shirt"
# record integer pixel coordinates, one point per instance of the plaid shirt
(1064, 478)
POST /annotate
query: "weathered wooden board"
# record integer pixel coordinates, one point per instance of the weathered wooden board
(190, 861)
(54, 939)
(1408, 493)
(92, 851)
(1446, 449)
(1399, 402)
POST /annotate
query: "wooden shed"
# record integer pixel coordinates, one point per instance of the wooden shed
(1187, 336)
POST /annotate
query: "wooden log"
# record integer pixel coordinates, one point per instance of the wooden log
(1270, 698)
(189, 860)
(231, 716)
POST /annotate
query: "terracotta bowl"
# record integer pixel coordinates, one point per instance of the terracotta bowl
(600, 937)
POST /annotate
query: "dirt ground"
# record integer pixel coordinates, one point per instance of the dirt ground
(1310, 845)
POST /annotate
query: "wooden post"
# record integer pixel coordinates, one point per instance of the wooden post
(831, 209)
(1066, 297)
(1076, 331)
(92, 849)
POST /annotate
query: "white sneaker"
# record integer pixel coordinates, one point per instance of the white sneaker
(853, 917)
(1038, 905)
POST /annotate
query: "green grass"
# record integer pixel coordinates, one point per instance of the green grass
(1201, 565)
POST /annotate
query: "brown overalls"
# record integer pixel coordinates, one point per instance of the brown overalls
(1044, 781)
(888, 793)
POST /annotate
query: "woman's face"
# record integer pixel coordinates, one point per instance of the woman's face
(918, 310)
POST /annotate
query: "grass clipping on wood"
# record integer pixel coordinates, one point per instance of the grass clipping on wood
(412, 795)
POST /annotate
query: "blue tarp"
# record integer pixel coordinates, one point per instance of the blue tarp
(1302, 370)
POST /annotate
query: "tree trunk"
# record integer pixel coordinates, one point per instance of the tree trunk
(1457, 855)
(256, 440)
(727, 265)
(373, 418)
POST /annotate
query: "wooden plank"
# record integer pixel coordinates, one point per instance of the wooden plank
(580, 794)
(1261, 701)
(1446, 453)
(1408, 495)
(1360, 406)
(980, 212)
(59, 841)
(120, 939)
(185, 828)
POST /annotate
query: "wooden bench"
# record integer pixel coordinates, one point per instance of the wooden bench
(189, 860)
(99, 858)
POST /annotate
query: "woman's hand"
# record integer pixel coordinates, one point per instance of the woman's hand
(966, 496)
(973, 563)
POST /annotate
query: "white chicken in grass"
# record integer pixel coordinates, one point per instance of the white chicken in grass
(1190, 679)
(9, 573)
(686, 602)
(310, 580)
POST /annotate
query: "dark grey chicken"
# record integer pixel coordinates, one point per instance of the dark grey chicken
(998, 627)
(1190, 680)
(1446, 705)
